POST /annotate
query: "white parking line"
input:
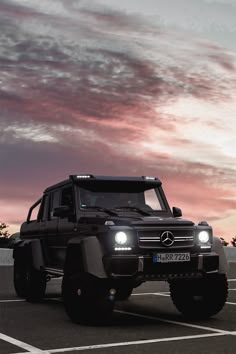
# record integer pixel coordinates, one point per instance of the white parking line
(166, 294)
(217, 332)
(136, 342)
(15, 300)
(231, 279)
(23, 300)
(160, 294)
(174, 322)
(22, 345)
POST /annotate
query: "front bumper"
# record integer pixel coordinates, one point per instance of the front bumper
(142, 267)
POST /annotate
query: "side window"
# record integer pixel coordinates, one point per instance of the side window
(43, 209)
(54, 202)
(67, 197)
(35, 213)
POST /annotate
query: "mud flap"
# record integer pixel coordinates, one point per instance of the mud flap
(29, 251)
(218, 248)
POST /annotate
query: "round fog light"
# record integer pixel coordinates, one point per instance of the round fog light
(112, 291)
(203, 236)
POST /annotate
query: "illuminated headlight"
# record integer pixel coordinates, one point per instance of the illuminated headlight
(203, 236)
(121, 238)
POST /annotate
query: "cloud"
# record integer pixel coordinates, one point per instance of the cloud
(85, 88)
(196, 188)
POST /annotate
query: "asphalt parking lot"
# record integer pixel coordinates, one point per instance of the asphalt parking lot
(146, 323)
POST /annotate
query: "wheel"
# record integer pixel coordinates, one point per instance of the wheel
(87, 301)
(20, 279)
(29, 283)
(200, 298)
(123, 293)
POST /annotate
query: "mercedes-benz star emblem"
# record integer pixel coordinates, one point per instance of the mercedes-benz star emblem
(167, 238)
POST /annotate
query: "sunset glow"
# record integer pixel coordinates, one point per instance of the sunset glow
(113, 87)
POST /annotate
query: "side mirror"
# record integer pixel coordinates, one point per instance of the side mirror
(62, 211)
(177, 212)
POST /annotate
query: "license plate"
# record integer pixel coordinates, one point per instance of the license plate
(171, 257)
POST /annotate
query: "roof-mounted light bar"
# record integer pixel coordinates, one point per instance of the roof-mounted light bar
(149, 178)
(82, 176)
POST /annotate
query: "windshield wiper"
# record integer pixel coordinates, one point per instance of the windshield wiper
(141, 211)
(100, 208)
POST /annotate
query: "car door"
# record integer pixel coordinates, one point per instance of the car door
(67, 225)
(60, 229)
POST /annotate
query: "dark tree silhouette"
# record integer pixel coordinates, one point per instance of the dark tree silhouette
(224, 243)
(4, 234)
(233, 241)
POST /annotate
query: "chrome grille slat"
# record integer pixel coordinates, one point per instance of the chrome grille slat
(184, 239)
(151, 238)
(154, 239)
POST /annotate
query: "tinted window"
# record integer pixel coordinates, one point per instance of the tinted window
(54, 202)
(67, 197)
(148, 198)
(35, 214)
(43, 210)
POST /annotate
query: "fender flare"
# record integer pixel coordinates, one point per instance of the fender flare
(29, 252)
(85, 256)
(218, 248)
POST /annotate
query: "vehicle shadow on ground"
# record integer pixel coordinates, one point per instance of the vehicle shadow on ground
(129, 313)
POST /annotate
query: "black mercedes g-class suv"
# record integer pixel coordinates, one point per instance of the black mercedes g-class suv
(106, 236)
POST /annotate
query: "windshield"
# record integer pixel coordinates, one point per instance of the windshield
(126, 199)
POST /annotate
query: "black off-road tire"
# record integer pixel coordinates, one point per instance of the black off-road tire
(200, 298)
(123, 293)
(29, 283)
(86, 301)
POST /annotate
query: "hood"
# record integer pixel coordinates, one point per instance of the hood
(156, 220)
(140, 221)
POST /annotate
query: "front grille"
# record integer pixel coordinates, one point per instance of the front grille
(149, 239)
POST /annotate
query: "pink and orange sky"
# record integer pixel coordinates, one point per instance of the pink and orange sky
(120, 87)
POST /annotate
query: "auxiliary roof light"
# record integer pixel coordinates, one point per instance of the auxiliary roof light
(83, 176)
(149, 178)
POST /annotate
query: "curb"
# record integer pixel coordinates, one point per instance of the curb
(6, 258)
